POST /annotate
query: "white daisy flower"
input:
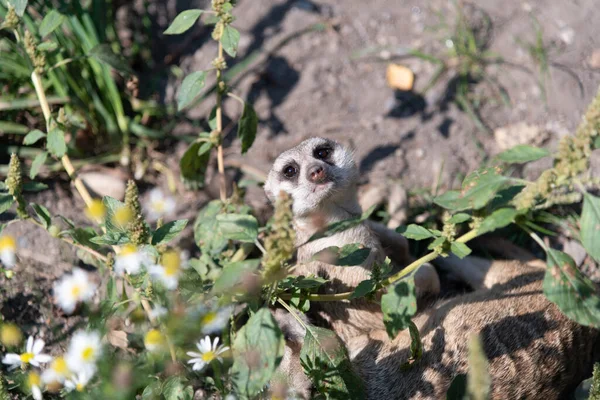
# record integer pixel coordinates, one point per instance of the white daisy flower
(168, 271)
(35, 384)
(84, 349)
(8, 248)
(215, 321)
(130, 260)
(154, 340)
(57, 373)
(207, 354)
(79, 381)
(159, 205)
(33, 355)
(158, 312)
(73, 288)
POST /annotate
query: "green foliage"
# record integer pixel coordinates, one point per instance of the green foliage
(56, 143)
(590, 225)
(346, 256)
(240, 227)
(247, 127)
(522, 154)
(184, 21)
(230, 39)
(416, 232)
(51, 21)
(168, 231)
(190, 89)
(398, 306)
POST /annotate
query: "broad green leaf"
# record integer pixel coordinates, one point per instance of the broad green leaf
(43, 214)
(416, 345)
(212, 118)
(111, 239)
(478, 189)
(55, 143)
(590, 225)
(83, 236)
(206, 229)
(257, 351)
(112, 206)
(302, 282)
(458, 388)
(175, 389)
(37, 164)
(230, 39)
(325, 359)
(459, 249)
(6, 200)
(348, 255)
(247, 127)
(205, 148)
(33, 137)
(437, 242)
(363, 288)
(233, 275)
(51, 21)
(522, 153)
(152, 391)
(341, 226)
(193, 166)
(498, 219)
(183, 21)
(34, 186)
(19, 5)
(459, 218)
(168, 231)
(240, 227)
(573, 293)
(415, 232)
(190, 89)
(47, 46)
(398, 305)
(104, 54)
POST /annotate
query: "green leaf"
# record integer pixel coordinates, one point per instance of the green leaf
(363, 288)
(43, 214)
(193, 166)
(240, 227)
(55, 143)
(47, 46)
(175, 389)
(152, 391)
(459, 249)
(111, 239)
(37, 164)
(212, 118)
(183, 21)
(348, 255)
(19, 5)
(34, 186)
(572, 292)
(458, 388)
(247, 127)
(234, 274)
(498, 219)
(590, 225)
(51, 21)
(341, 226)
(522, 153)
(459, 218)
(302, 282)
(230, 39)
(206, 229)
(416, 345)
(168, 231)
(437, 242)
(398, 305)
(104, 54)
(415, 232)
(6, 200)
(478, 377)
(257, 351)
(478, 189)
(112, 206)
(190, 89)
(325, 359)
(33, 137)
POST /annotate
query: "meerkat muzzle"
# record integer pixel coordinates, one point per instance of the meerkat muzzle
(316, 174)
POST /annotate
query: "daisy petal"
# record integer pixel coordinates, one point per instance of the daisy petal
(30, 344)
(38, 345)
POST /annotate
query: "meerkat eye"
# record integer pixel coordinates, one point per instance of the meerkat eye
(289, 171)
(322, 153)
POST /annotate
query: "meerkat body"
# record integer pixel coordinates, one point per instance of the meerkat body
(534, 351)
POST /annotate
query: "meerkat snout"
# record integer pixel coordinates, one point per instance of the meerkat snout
(316, 173)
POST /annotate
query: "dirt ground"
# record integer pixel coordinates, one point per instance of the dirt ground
(315, 85)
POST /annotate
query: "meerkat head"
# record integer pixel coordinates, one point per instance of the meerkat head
(315, 173)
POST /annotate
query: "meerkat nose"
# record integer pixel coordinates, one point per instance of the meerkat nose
(316, 174)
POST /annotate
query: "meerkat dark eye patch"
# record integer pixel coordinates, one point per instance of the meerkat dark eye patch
(290, 171)
(322, 152)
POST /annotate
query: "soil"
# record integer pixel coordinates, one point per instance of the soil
(315, 85)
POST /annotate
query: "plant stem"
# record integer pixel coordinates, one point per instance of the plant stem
(219, 116)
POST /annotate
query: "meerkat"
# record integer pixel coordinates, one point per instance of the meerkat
(534, 351)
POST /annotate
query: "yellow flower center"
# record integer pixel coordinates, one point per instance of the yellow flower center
(96, 210)
(87, 354)
(208, 356)
(122, 216)
(171, 261)
(128, 249)
(33, 379)
(153, 337)
(59, 365)
(79, 387)
(208, 318)
(158, 206)
(10, 335)
(76, 290)
(26, 357)
(8, 242)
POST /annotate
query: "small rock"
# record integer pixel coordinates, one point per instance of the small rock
(594, 59)
(104, 184)
(575, 250)
(519, 133)
(400, 77)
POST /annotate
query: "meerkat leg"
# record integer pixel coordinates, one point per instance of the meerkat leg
(394, 244)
